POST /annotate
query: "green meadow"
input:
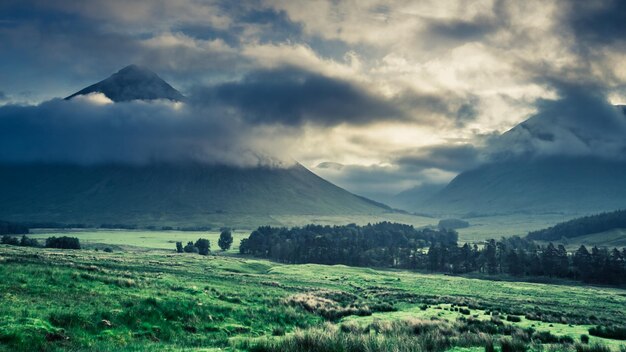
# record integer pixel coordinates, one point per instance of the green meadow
(143, 296)
(138, 239)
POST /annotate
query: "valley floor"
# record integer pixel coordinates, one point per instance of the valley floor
(154, 299)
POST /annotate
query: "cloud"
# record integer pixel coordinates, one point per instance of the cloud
(581, 122)
(402, 85)
(3, 96)
(598, 22)
(292, 96)
(380, 181)
(92, 130)
(453, 158)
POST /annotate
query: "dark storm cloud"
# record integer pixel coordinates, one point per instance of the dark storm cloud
(293, 96)
(79, 131)
(379, 182)
(438, 108)
(455, 158)
(598, 21)
(581, 122)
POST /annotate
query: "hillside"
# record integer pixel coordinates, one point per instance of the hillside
(168, 194)
(584, 226)
(550, 185)
(554, 162)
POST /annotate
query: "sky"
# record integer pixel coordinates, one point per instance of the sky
(376, 96)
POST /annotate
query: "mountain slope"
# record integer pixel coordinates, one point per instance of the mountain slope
(584, 226)
(415, 197)
(567, 159)
(159, 193)
(132, 83)
(549, 185)
(174, 194)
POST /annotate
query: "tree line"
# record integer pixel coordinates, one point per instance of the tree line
(522, 257)
(383, 244)
(402, 246)
(63, 242)
(582, 226)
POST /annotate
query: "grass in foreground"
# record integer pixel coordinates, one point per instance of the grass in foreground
(146, 300)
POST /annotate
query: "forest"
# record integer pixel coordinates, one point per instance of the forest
(390, 245)
(582, 226)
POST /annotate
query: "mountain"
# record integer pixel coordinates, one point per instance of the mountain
(133, 83)
(169, 194)
(557, 162)
(566, 185)
(413, 198)
(179, 194)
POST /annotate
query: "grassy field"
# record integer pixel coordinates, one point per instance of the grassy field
(480, 229)
(147, 299)
(120, 239)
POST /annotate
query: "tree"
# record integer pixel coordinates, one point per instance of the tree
(226, 240)
(179, 247)
(10, 240)
(28, 242)
(203, 245)
(582, 263)
(63, 242)
(550, 260)
(190, 248)
(490, 257)
(513, 263)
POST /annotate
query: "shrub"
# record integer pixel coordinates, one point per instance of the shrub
(513, 318)
(509, 345)
(28, 242)
(10, 240)
(190, 248)
(464, 311)
(179, 247)
(584, 338)
(609, 332)
(108, 250)
(63, 242)
(545, 337)
(226, 240)
(203, 245)
(592, 348)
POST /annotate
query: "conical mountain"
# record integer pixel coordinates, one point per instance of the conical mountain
(133, 83)
(182, 194)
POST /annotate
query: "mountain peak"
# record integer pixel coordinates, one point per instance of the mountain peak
(133, 82)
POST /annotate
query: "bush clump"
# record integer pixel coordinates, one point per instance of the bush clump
(63, 242)
(609, 332)
(513, 318)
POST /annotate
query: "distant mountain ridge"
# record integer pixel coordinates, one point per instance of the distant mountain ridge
(548, 185)
(133, 83)
(523, 182)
